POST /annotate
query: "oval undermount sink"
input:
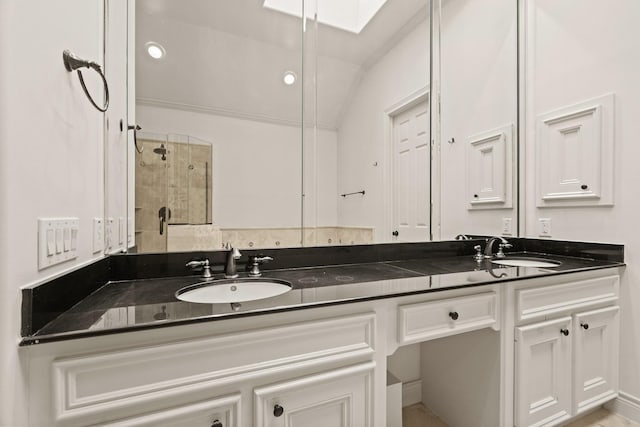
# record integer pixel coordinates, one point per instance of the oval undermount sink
(527, 262)
(233, 290)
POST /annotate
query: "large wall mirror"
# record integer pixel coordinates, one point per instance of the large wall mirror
(279, 123)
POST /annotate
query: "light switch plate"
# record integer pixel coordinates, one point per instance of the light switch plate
(545, 227)
(54, 240)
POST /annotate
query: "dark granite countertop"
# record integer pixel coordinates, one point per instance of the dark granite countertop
(129, 305)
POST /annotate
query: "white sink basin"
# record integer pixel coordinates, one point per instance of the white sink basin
(233, 290)
(527, 262)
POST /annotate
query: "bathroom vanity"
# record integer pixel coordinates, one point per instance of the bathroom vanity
(510, 345)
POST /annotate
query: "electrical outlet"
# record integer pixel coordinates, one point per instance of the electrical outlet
(98, 235)
(122, 231)
(506, 227)
(110, 233)
(545, 227)
(129, 231)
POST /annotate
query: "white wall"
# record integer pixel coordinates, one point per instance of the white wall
(51, 156)
(478, 94)
(257, 166)
(398, 74)
(580, 50)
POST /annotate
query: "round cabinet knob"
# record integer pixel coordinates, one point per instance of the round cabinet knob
(395, 233)
(454, 315)
(278, 411)
(584, 186)
(216, 423)
(564, 332)
(585, 326)
(475, 196)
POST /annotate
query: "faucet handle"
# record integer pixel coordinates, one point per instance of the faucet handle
(204, 263)
(502, 246)
(255, 262)
(197, 263)
(478, 255)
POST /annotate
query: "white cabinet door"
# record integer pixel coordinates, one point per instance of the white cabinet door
(339, 398)
(543, 373)
(221, 412)
(574, 156)
(488, 173)
(596, 342)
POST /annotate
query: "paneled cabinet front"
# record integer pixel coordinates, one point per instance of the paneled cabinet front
(338, 398)
(543, 373)
(569, 364)
(130, 383)
(596, 347)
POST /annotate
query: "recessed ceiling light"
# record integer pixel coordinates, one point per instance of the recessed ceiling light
(289, 78)
(155, 50)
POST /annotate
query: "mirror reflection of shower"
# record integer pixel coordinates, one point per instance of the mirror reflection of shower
(173, 197)
(162, 151)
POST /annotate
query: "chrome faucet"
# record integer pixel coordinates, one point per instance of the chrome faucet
(504, 244)
(230, 271)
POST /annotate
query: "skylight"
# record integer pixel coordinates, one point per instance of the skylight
(347, 15)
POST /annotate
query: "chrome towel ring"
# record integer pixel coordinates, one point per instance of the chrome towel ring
(72, 62)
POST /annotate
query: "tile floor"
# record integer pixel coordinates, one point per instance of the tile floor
(419, 416)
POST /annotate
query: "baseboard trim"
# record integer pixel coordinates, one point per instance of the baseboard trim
(626, 405)
(411, 393)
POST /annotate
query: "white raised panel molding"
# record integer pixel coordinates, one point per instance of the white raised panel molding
(489, 169)
(543, 373)
(574, 155)
(225, 409)
(86, 386)
(596, 348)
(337, 398)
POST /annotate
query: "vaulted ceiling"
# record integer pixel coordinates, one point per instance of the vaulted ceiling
(229, 57)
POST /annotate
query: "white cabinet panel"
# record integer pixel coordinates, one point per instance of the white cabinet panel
(339, 398)
(89, 386)
(543, 373)
(489, 159)
(222, 412)
(574, 156)
(596, 341)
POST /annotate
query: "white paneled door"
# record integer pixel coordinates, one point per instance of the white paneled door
(411, 174)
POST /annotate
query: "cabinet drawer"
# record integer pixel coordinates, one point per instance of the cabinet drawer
(221, 412)
(435, 319)
(132, 380)
(551, 300)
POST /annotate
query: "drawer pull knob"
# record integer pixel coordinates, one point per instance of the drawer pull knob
(564, 332)
(453, 315)
(584, 186)
(278, 411)
(216, 423)
(585, 326)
